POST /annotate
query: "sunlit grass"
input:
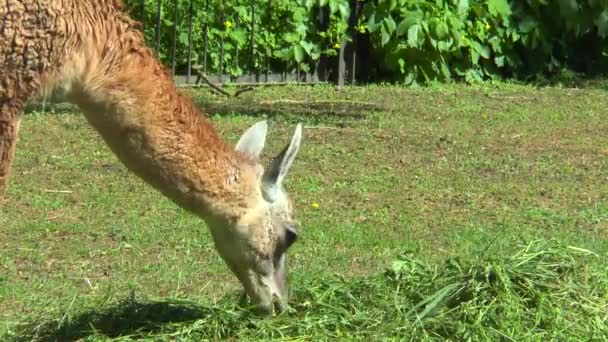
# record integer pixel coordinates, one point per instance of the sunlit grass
(450, 212)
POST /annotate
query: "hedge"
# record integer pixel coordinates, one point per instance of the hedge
(406, 41)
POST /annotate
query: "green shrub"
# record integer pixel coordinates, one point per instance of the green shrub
(286, 34)
(476, 40)
(413, 41)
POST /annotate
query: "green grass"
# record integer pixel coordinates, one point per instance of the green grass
(453, 212)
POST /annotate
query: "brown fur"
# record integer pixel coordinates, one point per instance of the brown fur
(126, 94)
(95, 54)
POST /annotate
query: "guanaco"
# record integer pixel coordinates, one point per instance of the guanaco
(94, 53)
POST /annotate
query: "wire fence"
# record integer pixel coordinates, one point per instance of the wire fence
(187, 59)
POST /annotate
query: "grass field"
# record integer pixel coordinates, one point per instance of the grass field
(452, 212)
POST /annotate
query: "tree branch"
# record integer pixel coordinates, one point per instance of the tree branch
(217, 88)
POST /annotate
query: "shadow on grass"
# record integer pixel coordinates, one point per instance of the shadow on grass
(290, 108)
(337, 113)
(328, 109)
(311, 109)
(129, 317)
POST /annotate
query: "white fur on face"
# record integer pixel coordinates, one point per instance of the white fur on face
(257, 250)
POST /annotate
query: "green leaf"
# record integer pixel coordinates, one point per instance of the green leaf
(239, 35)
(441, 31)
(392, 4)
(242, 11)
(527, 24)
(310, 3)
(474, 57)
(602, 24)
(300, 14)
(445, 45)
(425, 28)
(463, 7)
(284, 54)
(401, 62)
(473, 75)
(495, 43)
(308, 46)
(330, 52)
(412, 35)
(372, 25)
(333, 6)
(390, 24)
(344, 8)
(183, 38)
(410, 19)
(410, 78)
(499, 8)
(298, 53)
(301, 29)
(385, 35)
(292, 37)
(499, 61)
(482, 50)
(445, 70)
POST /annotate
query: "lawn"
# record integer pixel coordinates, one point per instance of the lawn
(449, 212)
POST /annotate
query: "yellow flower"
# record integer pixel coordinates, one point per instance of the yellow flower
(487, 27)
(228, 24)
(337, 45)
(315, 205)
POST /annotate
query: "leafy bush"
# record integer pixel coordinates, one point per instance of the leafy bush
(475, 40)
(285, 32)
(412, 41)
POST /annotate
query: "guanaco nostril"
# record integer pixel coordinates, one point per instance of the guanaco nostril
(279, 304)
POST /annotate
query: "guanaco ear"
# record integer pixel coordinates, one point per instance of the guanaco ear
(252, 141)
(277, 170)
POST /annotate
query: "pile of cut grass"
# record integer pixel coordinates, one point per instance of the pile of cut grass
(545, 290)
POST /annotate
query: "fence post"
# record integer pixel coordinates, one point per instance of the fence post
(191, 14)
(352, 47)
(158, 10)
(205, 37)
(174, 37)
(237, 23)
(223, 23)
(323, 59)
(269, 48)
(142, 15)
(341, 66)
(252, 42)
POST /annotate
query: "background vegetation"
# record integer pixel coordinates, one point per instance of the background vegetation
(408, 41)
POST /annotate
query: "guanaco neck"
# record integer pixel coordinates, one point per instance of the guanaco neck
(159, 134)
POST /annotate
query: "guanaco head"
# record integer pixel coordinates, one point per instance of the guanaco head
(256, 249)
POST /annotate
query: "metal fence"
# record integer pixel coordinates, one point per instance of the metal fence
(340, 69)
